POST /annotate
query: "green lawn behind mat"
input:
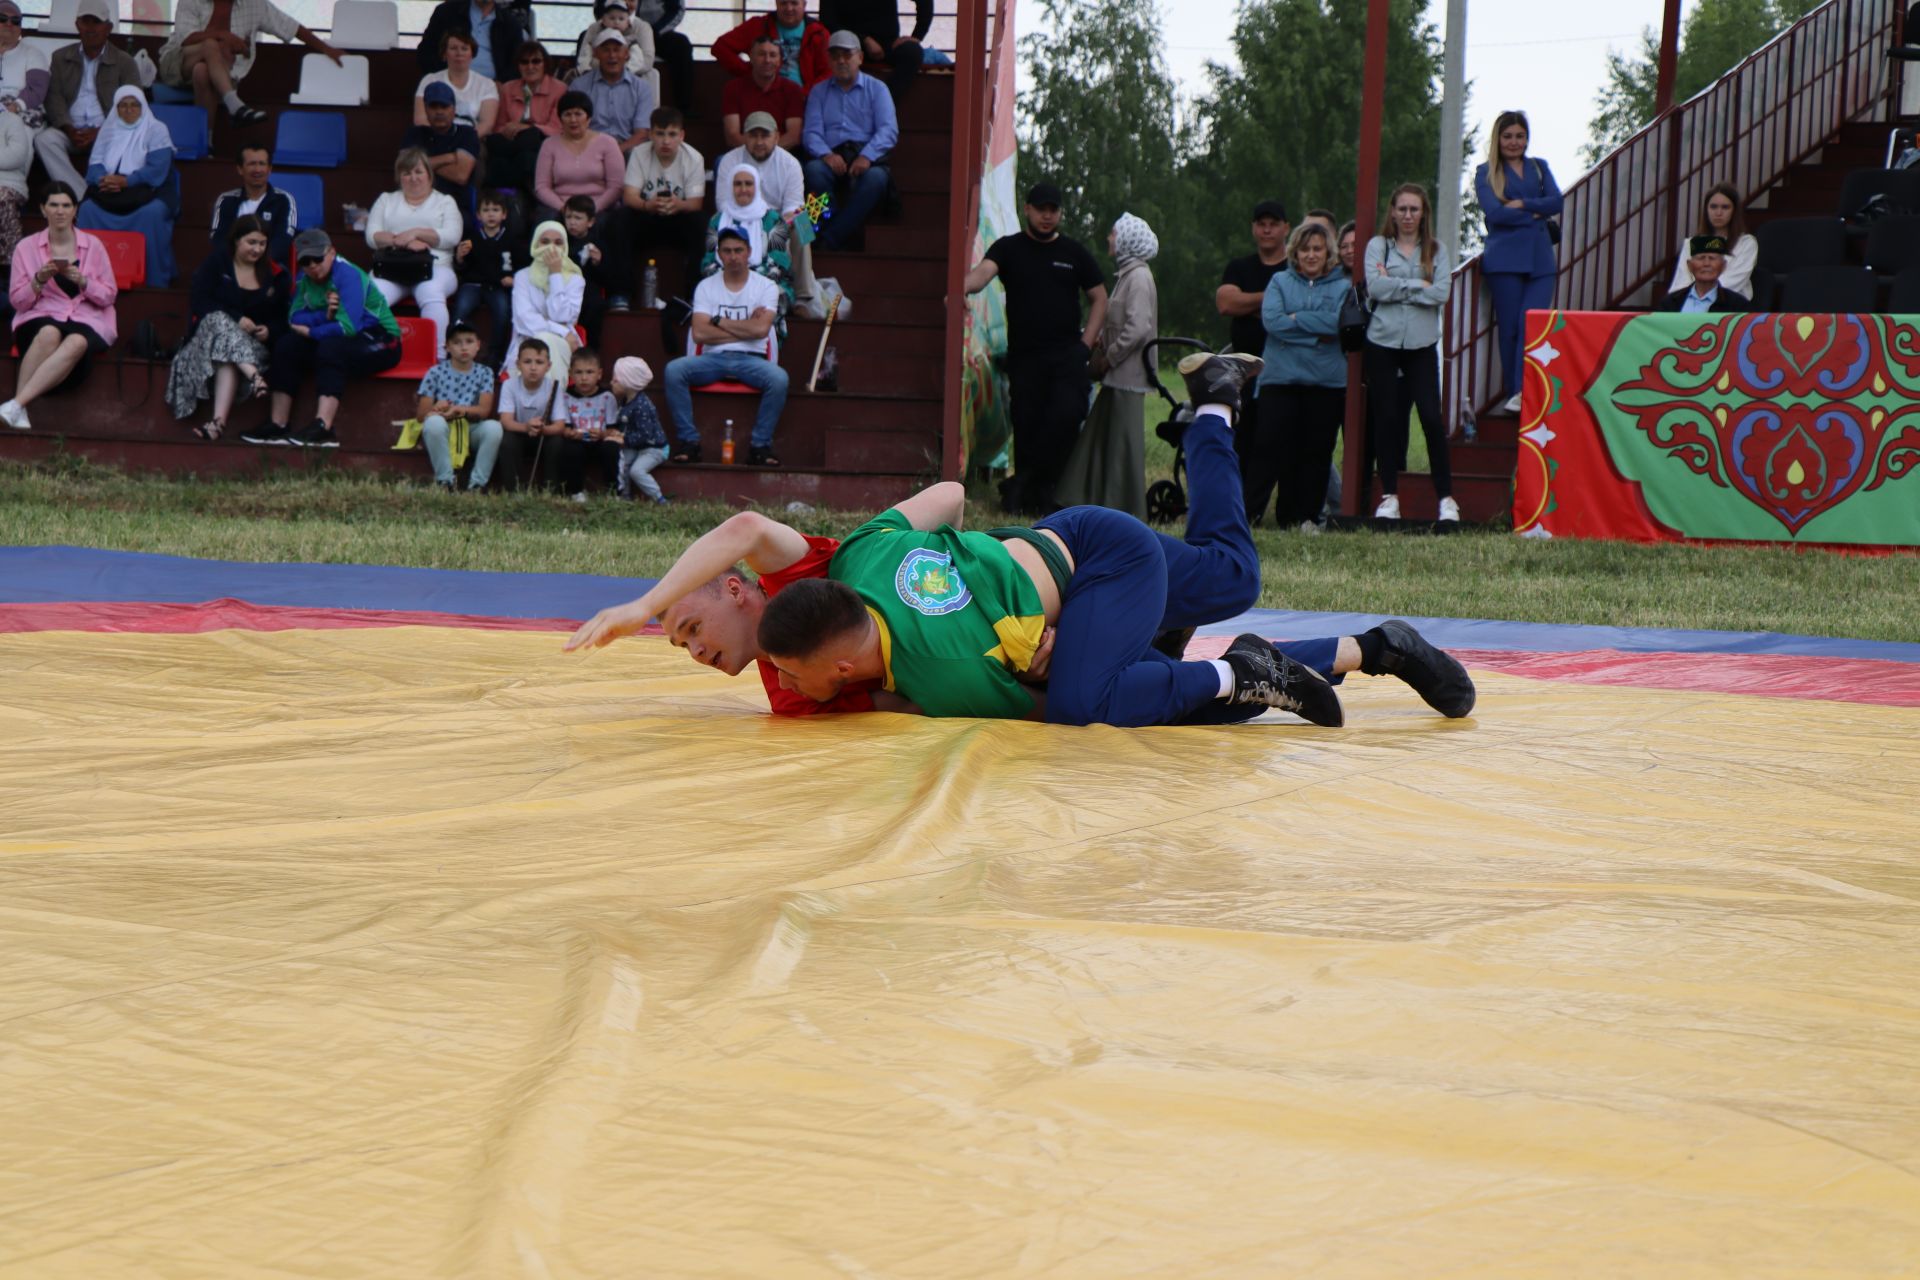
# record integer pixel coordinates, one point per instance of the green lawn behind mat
(330, 517)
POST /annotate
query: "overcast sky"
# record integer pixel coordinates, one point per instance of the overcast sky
(1545, 57)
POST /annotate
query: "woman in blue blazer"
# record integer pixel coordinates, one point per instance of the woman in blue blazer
(1517, 195)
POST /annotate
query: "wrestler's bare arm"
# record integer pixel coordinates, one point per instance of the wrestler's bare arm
(766, 545)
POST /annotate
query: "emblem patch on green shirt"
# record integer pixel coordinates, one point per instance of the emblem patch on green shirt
(928, 582)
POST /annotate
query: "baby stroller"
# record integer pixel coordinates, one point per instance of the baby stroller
(1167, 499)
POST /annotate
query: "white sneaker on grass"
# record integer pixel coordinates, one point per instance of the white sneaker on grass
(14, 414)
(1449, 510)
(580, 497)
(1389, 508)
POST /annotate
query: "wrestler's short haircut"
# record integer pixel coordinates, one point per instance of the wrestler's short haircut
(806, 615)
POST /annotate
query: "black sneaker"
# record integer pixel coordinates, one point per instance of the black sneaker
(247, 115)
(446, 486)
(619, 305)
(272, 433)
(759, 457)
(1213, 379)
(1435, 676)
(1264, 675)
(1174, 643)
(317, 435)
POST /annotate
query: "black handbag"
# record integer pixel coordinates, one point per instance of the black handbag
(403, 266)
(1355, 315)
(1553, 231)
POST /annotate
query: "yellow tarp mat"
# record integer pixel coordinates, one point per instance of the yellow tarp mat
(416, 952)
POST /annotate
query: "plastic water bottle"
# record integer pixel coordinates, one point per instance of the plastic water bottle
(650, 287)
(726, 445)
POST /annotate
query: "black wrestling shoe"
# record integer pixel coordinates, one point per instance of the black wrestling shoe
(1219, 712)
(1263, 675)
(1213, 379)
(1436, 677)
(1174, 643)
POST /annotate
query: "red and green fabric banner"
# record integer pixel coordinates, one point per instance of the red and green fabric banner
(1753, 428)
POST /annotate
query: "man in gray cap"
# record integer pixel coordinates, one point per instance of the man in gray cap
(850, 130)
(82, 81)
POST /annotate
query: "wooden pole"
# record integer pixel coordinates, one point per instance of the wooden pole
(1367, 188)
(1669, 57)
(963, 185)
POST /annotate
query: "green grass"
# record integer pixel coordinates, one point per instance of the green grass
(331, 517)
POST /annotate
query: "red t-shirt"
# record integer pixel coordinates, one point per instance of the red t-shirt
(785, 702)
(784, 101)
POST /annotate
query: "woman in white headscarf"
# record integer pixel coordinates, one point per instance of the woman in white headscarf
(130, 182)
(1108, 465)
(769, 236)
(547, 294)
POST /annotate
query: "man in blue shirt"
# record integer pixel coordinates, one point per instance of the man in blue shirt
(622, 101)
(1707, 258)
(850, 130)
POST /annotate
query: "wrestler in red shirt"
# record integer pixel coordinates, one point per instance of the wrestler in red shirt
(712, 610)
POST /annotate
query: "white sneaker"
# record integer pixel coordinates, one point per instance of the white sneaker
(580, 497)
(1308, 526)
(1389, 508)
(14, 415)
(809, 309)
(1449, 510)
(1512, 406)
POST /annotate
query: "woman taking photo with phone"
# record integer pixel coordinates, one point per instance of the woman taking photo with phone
(1408, 277)
(1520, 201)
(62, 290)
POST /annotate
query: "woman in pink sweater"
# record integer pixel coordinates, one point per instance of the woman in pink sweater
(62, 289)
(578, 162)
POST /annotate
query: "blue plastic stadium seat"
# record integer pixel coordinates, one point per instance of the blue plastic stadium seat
(310, 139)
(188, 125)
(309, 198)
(164, 92)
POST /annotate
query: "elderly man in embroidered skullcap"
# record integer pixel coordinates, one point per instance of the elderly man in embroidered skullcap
(1108, 465)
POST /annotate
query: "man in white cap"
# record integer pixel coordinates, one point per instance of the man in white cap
(851, 128)
(83, 79)
(622, 101)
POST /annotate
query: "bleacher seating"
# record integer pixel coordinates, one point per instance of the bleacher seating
(1788, 244)
(864, 446)
(127, 250)
(310, 139)
(192, 139)
(309, 196)
(365, 24)
(1904, 298)
(1828, 288)
(419, 349)
(60, 20)
(1893, 244)
(161, 92)
(322, 84)
(1901, 187)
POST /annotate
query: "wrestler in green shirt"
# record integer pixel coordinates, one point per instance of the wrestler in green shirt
(958, 616)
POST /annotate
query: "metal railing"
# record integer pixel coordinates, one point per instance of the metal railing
(560, 21)
(1625, 217)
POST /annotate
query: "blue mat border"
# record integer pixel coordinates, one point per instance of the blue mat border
(47, 575)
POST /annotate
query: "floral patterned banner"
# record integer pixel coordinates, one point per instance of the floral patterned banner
(1754, 428)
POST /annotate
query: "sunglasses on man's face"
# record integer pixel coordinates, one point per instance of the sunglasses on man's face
(8, 20)
(311, 262)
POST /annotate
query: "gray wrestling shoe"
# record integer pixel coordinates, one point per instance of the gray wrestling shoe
(1213, 379)
(1435, 676)
(1264, 675)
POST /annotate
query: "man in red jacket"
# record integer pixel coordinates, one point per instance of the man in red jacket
(803, 44)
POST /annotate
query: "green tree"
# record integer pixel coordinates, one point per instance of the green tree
(1715, 37)
(1101, 119)
(1285, 123)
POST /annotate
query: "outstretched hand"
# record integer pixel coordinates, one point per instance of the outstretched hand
(608, 625)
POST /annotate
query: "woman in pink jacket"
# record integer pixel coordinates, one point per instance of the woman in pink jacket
(62, 290)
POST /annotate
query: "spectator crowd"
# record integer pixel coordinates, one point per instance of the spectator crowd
(533, 196)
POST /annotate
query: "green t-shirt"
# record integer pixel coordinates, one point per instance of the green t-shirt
(957, 615)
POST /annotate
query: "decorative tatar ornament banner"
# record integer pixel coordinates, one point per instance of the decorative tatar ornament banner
(1757, 428)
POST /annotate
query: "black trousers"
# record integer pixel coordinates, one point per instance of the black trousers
(903, 64)
(513, 466)
(1294, 431)
(576, 454)
(674, 52)
(335, 360)
(511, 161)
(1048, 391)
(675, 242)
(1397, 379)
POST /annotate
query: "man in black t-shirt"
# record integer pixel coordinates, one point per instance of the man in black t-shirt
(1242, 287)
(1044, 274)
